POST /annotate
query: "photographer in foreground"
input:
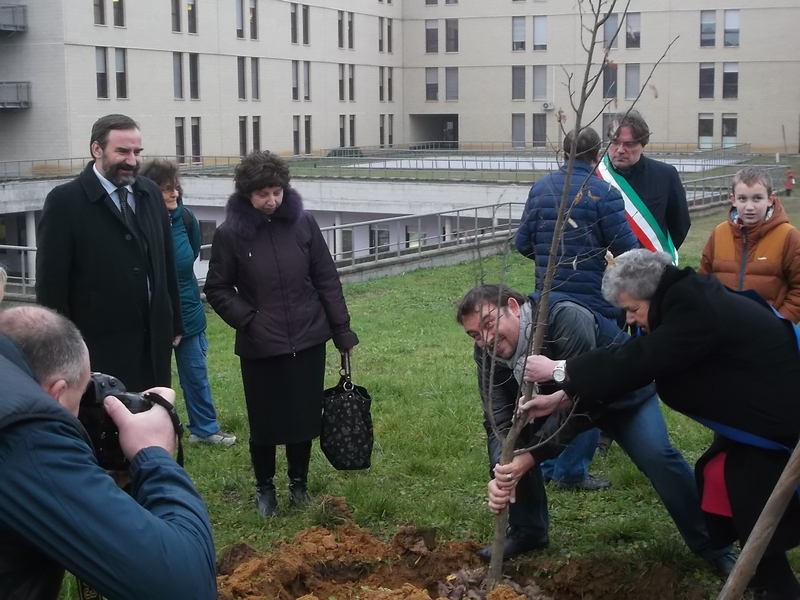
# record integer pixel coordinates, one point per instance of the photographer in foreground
(59, 510)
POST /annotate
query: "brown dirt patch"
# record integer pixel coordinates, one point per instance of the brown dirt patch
(348, 563)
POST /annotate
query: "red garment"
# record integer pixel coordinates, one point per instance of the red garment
(789, 179)
(715, 493)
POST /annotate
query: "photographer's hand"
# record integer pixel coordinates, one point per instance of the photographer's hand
(145, 429)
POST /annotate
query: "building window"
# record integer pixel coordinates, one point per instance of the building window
(381, 130)
(180, 140)
(341, 83)
(518, 83)
(414, 237)
(191, 16)
(306, 80)
(252, 17)
(451, 1)
(708, 27)
(706, 80)
(539, 130)
(381, 73)
(99, 12)
(610, 31)
(346, 251)
(293, 25)
(540, 82)
(296, 135)
(340, 30)
(207, 230)
(730, 129)
(632, 85)
(351, 30)
(120, 60)
(389, 84)
(342, 132)
(633, 30)
(177, 75)
(196, 154)
(119, 12)
(256, 134)
(194, 76)
(240, 19)
(518, 130)
(451, 83)
(176, 15)
(101, 68)
(431, 2)
(517, 33)
(730, 80)
(240, 71)
(389, 35)
(242, 136)
(432, 83)
(540, 32)
(431, 36)
(731, 37)
(609, 81)
(451, 35)
(380, 34)
(351, 82)
(705, 131)
(379, 239)
(296, 80)
(306, 38)
(391, 130)
(352, 130)
(255, 79)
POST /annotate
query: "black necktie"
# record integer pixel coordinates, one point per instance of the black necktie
(128, 214)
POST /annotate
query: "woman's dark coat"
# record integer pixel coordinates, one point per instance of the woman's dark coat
(272, 278)
(90, 268)
(722, 356)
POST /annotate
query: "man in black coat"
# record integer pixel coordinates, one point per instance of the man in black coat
(105, 260)
(656, 183)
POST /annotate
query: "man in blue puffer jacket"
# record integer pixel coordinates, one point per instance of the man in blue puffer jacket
(596, 223)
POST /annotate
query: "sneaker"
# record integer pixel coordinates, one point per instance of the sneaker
(226, 439)
(724, 564)
(517, 542)
(590, 484)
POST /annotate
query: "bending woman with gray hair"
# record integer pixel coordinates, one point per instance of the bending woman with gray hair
(722, 358)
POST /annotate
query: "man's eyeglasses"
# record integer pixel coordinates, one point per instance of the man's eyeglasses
(628, 144)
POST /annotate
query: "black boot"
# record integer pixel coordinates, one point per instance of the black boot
(263, 458)
(298, 457)
(266, 501)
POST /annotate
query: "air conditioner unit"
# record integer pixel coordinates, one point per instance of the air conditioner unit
(549, 106)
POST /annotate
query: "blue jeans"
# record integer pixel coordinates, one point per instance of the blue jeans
(190, 356)
(572, 465)
(642, 433)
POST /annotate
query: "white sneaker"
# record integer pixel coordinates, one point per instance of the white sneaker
(226, 439)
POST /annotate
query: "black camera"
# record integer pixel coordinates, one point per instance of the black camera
(101, 429)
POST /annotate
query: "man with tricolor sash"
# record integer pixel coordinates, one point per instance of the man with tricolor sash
(655, 201)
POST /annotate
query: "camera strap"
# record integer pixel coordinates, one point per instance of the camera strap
(173, 415)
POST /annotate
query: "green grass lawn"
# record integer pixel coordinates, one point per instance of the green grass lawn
(430, 462)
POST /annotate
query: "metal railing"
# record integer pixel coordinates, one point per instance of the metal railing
(15, 94)
(465, 161)
(13, 17)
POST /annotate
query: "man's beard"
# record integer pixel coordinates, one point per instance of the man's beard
(120, 174)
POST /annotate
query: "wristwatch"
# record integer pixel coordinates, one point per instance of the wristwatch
(559, 374)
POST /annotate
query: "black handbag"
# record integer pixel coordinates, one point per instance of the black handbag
(346, 438)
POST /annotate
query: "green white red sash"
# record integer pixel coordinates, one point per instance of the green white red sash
(642, 221)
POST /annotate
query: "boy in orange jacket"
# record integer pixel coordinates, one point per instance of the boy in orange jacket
(757, 248)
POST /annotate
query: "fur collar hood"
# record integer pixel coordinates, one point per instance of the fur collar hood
(245, 220)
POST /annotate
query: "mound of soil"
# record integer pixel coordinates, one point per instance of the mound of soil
(348, 563)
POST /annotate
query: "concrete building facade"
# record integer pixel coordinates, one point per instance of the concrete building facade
(221, 77)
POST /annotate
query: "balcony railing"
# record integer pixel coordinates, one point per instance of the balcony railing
(15, 94)
(13, 18)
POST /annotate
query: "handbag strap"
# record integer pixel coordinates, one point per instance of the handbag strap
(345, 372)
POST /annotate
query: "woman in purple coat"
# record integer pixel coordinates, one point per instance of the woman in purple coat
(271, 277)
